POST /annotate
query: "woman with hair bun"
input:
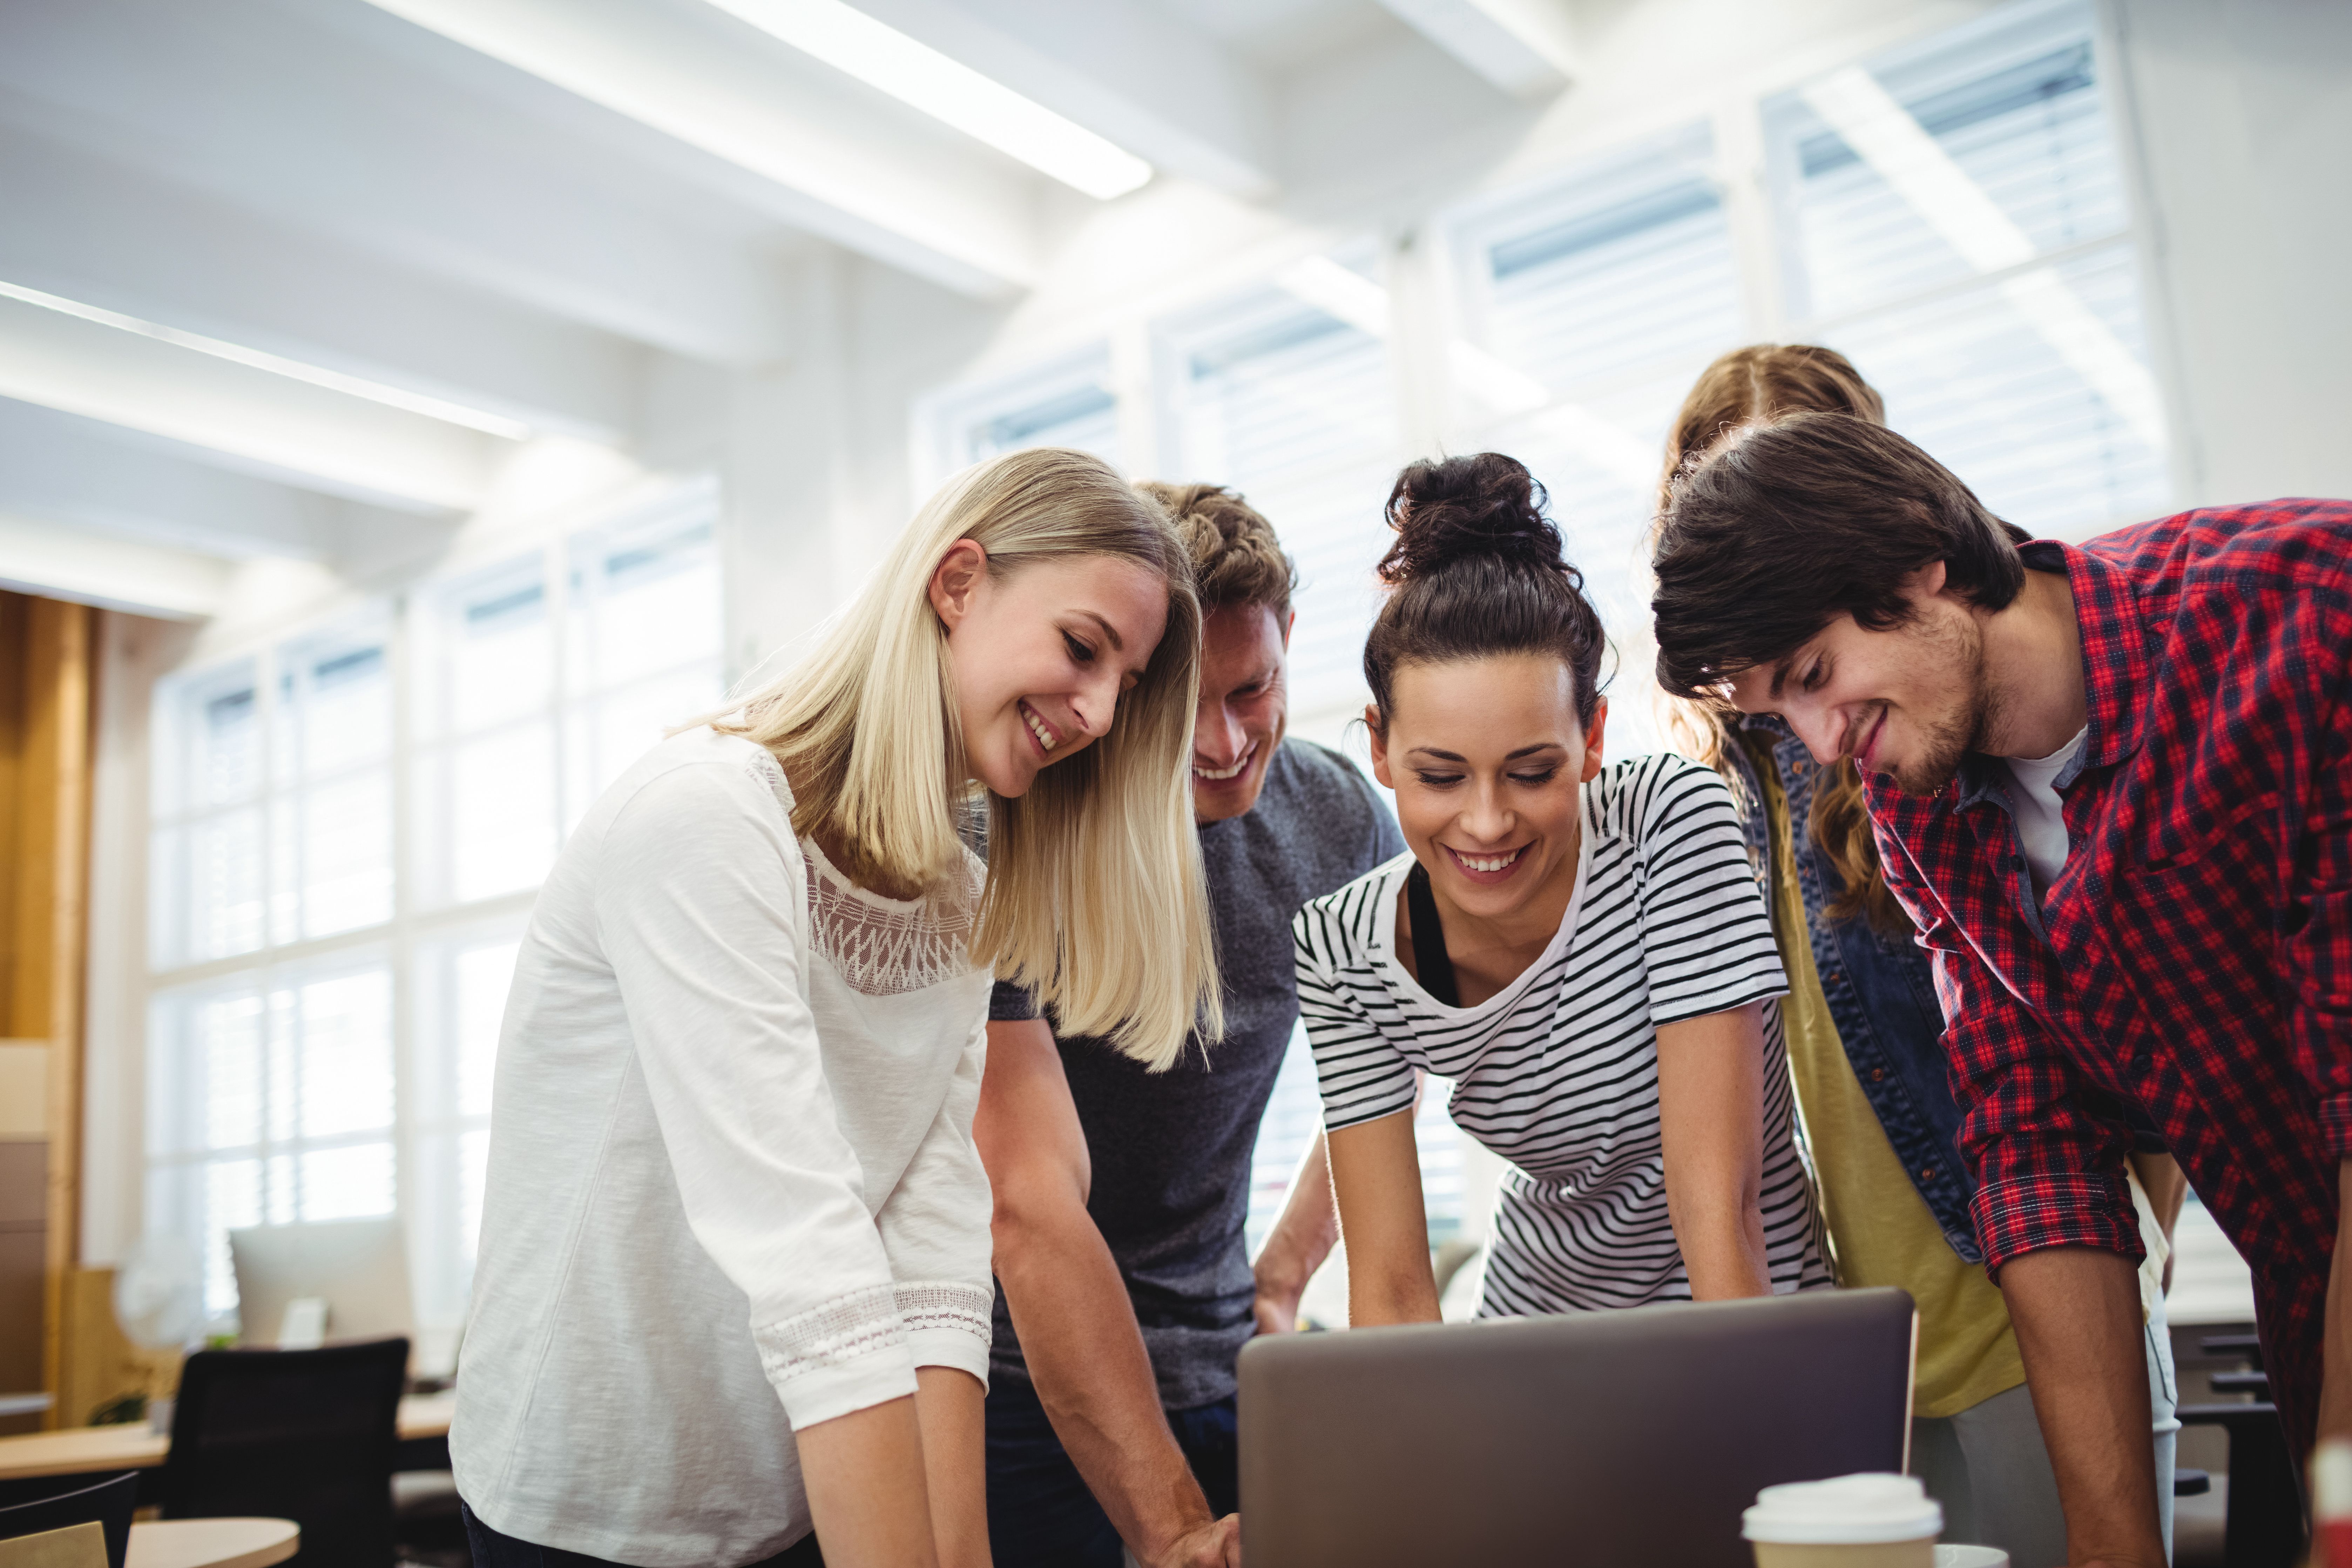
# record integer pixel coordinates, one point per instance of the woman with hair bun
(1581, 949)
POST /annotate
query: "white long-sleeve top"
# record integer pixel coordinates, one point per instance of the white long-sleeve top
(731, 1184)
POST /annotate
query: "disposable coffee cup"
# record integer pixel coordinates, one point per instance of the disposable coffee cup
(1852, 1522)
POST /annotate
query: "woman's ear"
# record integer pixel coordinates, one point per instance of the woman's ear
(956, 581)
(1379, 745)
(1592, 733)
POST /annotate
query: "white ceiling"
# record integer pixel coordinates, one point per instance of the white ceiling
(531, 209)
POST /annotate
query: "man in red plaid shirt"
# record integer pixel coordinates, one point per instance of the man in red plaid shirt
(2112, 785)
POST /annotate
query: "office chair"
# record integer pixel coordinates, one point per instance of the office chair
(301, 1435)
(2265, 1523)
(109, 1505)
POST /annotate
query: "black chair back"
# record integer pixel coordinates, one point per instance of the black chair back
(109, 1505)
(301, 1435)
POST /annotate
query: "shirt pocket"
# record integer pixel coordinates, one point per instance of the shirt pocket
(2185, 837)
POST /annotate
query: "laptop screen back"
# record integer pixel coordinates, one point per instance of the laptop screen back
(1633, 1438)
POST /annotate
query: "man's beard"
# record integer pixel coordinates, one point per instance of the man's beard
(1961, 727)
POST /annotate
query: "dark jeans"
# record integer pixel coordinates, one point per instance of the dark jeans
(492, 1550)
(1039, 1513)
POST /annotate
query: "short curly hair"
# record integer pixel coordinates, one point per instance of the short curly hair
(1236, 559)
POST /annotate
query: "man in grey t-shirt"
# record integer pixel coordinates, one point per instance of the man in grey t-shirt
(1124, 1288)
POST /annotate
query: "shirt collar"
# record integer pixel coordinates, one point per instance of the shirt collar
(2115, 649)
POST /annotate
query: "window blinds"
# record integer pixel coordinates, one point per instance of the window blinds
(324, 1015)
(1955, 218)
(1293, 406)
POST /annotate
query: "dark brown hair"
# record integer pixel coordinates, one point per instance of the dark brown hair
(1760, 382)
(1236, 559)
(1476, 570)
(1789, 522)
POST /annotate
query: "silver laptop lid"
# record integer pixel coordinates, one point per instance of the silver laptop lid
(1632, 1436)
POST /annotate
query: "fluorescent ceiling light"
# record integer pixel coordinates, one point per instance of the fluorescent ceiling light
(981, 106)
(317, 375)
(1884, 134)
(1352, 298)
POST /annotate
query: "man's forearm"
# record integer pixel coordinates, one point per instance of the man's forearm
(2336, 1353)
(1093, 1377)
(2081, 1332)
(1302, 1237)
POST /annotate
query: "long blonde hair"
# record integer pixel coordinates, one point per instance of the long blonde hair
(1094, 896)
(1755, 383)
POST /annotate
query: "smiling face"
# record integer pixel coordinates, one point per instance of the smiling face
(1907, 702)
(1486, 756)
(1245, 705)
(1041, 654)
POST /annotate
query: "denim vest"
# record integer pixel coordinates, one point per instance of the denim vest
(1881, 991)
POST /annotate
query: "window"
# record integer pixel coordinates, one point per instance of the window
(1591, 306)
(332, 961)
(1285, 394)
(1068, 403)
(1953, 216)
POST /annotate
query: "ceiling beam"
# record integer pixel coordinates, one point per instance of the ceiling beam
(1164, 92)
(1520, 45)
(461, 184)
(64, 469)
(91, 568)
(110, 235)
(844, 163)
(243, 416)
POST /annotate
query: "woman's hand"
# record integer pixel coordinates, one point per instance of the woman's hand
(1376, 1173)
(1711, 1122)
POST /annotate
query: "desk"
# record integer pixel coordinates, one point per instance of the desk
(212, 1542)
(110, 1450)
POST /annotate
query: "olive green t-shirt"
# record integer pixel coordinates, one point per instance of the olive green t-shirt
(1881, 1230)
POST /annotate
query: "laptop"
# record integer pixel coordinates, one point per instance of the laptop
(1601, 1438)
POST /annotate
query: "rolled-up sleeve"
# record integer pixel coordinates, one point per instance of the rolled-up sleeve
(700, 917)
(2050, 1173)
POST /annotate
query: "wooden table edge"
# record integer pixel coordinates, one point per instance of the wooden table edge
(280, 1545)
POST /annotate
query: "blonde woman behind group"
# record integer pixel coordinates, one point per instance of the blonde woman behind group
(1865, 1047)
(733, 1295)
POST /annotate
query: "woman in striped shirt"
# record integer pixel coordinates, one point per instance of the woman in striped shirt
(1582, 949)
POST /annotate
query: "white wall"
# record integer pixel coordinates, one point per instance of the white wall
(2243, 115)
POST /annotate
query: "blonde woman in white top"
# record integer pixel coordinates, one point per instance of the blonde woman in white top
(734, 1267)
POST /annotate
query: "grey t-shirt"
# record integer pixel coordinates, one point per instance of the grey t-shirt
(1171, 1151)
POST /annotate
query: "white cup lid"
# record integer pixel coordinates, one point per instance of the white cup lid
(1847, 1511)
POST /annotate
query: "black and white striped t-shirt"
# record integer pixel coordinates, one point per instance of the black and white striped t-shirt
(1557, 1073)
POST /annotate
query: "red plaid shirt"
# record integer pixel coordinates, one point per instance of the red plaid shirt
(2194, 958)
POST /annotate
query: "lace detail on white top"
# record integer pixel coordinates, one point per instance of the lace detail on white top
(944, 1304)
(883, 947)
(887, 947)
(858, 1323)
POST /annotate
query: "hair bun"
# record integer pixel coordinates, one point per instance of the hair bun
(1485, 505)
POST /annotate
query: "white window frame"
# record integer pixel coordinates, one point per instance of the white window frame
(414, 925)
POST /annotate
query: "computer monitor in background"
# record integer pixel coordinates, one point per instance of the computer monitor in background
(1601, 1438)
(359, 1268)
